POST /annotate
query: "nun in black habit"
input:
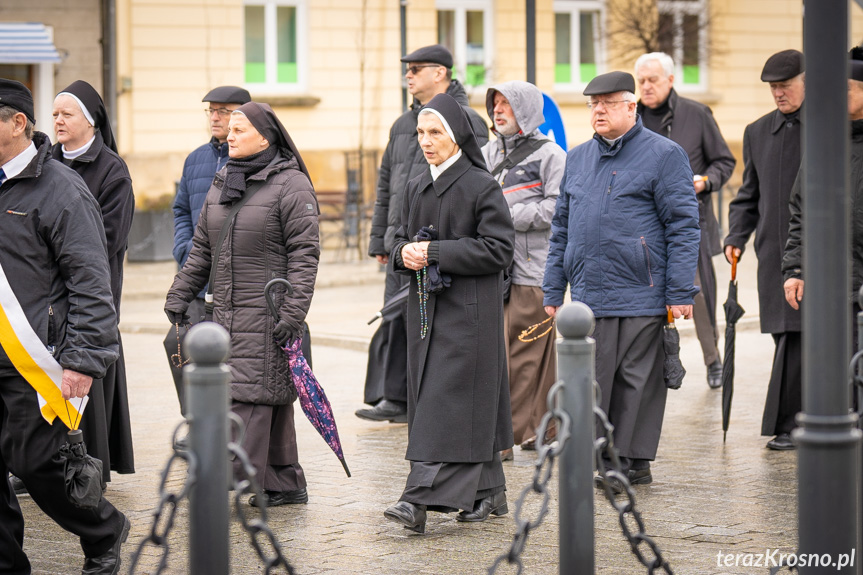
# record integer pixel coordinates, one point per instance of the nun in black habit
(85, 143)
(455, 240)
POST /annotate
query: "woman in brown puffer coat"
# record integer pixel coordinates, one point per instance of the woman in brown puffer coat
(274, 235)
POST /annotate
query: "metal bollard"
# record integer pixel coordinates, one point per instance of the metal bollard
(206, 379)
(576, 355)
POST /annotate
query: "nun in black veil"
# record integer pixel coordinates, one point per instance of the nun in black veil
(85, 143)
(455, 240)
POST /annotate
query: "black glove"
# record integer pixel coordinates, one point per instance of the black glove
(177, 317)
(283, 334)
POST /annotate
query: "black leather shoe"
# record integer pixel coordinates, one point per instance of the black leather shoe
(412, 516)
(385, 410)
(714, 375)
(781, 442)
(491, 505)
(17, 485)
(639, 476)
(109, 563)
(276, 498)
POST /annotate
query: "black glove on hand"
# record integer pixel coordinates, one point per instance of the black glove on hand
(177, 317)
(282, 333)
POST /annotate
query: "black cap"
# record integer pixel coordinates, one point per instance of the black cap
(436, 54)
(782, 65)
(16, 95)
(228, 95)
(855, 65)
(610, 83)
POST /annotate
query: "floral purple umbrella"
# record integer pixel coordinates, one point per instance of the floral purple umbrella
(313, 400)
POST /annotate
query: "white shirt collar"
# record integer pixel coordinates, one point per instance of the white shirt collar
(436, 171)
(80, 151)
(17, 164)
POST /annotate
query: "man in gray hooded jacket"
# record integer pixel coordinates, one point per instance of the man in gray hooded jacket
(529, 168)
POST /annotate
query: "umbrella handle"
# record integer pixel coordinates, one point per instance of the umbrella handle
(734, 267)
(670, 316)
(270, 303)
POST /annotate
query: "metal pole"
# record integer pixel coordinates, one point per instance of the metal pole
(530, 24)
(403, 24)
(207, 378)
(109, 62)
(575, 363)
(827, 465)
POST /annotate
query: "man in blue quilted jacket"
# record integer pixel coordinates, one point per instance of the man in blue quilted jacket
(198, 172)
(625, 238)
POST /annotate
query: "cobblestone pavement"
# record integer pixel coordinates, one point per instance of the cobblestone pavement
(707, 496)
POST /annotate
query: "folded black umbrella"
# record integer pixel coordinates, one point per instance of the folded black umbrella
(83, 473)
(733, 312)
(672, 369)
(394, 306)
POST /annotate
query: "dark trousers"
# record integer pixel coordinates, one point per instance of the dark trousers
(28, 445)
(387, 371)
(629, 362)
(785, 390)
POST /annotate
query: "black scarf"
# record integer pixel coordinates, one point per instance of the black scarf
(238, 170)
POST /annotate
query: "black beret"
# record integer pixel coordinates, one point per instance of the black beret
(610, 83)
(436, 54)
(855, 65)
(16, 95)
(782, 66)
(228, 95)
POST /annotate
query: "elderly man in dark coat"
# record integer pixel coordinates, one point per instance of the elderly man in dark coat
(691, 124)
(85, 143)
(625, 238)
(771, 159)
(429, 73)
(455, 240)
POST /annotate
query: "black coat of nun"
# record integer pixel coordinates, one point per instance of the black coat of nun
(458, 392)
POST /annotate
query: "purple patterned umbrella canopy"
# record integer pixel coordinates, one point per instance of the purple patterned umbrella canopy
(313, 400)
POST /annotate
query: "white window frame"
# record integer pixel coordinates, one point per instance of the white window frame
(678, 9)
(461, 8)
(272, 85)
(574, 8)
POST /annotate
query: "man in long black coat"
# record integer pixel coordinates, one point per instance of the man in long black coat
(771, 159)
(429, 73)
(691, 125)
(455, 227)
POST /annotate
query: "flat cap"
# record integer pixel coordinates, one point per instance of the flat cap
(228, 95)
(610, 83)
(436, 54)
(16, 95)
(782, 65)
(855, 64)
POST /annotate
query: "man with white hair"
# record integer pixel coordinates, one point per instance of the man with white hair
(691, 124)
(625, 238)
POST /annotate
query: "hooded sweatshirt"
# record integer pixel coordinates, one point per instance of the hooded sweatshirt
(531, 187)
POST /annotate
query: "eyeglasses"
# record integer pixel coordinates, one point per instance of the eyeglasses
(417, 67)
(592, 105)
(223, 112)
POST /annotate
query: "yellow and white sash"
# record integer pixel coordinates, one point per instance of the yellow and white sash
(33, 361)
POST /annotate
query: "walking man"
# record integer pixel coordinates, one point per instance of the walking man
(625, 238)
(58, 332)
(691, 124)
(198, 172)
(429, 73)
(771, 159)
(528, 166)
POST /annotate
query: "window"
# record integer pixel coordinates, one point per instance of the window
(465, 28)
(682, 35)
(275, 44)
(577, 42)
